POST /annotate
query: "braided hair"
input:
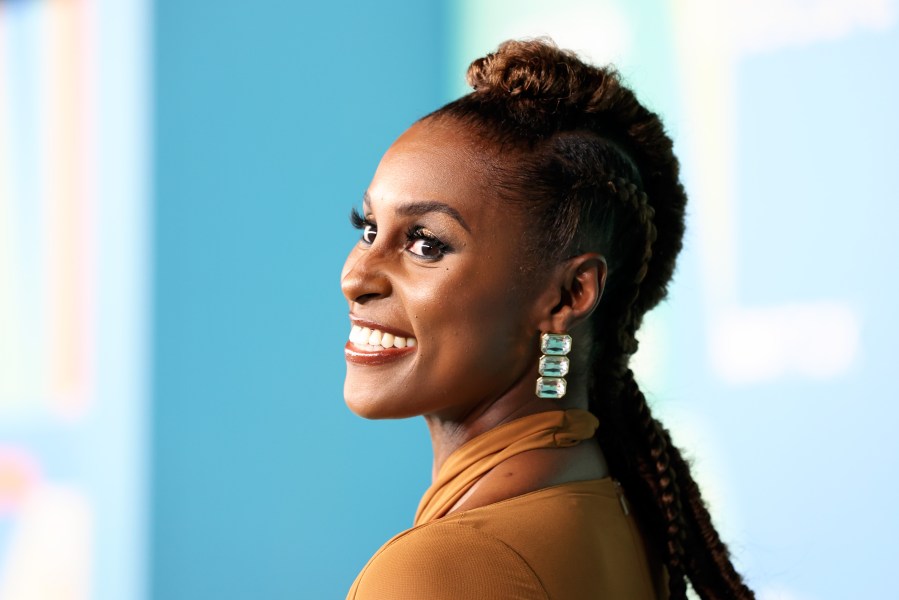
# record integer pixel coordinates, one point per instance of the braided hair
(595, 171)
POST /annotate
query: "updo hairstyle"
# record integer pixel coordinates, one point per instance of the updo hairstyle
(594, 170)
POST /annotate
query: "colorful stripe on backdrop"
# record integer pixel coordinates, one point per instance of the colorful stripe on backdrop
(47, 158)
(46, 211)
(68, 161)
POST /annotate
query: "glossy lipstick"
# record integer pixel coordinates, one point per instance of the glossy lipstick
(358, 356)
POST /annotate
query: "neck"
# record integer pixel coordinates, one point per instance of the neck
(449, 432)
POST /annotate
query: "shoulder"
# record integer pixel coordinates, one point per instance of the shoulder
(447, 560)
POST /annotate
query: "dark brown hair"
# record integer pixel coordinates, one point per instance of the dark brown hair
(596, 171)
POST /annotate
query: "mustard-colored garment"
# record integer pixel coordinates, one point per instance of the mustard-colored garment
(464, 467)
(566, 542)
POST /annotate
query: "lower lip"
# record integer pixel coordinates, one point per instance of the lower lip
(377, 357)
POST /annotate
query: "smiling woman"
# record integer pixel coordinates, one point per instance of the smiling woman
(510, 243)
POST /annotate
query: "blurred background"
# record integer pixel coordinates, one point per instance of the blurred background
(175, 180)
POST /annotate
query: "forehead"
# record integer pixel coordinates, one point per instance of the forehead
(436, 162)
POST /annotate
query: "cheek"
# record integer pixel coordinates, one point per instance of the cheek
(478, 325)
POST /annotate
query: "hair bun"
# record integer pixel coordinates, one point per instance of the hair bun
(529, 69)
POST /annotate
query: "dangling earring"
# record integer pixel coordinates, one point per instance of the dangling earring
(553, 365)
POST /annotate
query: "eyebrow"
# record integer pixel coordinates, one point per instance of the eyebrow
(423, 207)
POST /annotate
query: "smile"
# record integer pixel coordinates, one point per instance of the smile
(370, 346)
(375, 339)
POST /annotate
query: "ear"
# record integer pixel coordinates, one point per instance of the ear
(573, 293)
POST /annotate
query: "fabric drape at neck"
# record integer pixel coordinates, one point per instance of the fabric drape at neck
(464, 467)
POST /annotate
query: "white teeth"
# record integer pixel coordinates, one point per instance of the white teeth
(364, 336)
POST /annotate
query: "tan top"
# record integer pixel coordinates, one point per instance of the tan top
(565, 542)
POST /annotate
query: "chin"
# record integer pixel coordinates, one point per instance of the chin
(367, 397)
(367, 407)
(366, 410)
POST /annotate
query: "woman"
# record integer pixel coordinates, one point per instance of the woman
(511, 243)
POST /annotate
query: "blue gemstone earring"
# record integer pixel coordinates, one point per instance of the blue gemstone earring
(553, 365)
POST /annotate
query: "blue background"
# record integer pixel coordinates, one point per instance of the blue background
(270, 121)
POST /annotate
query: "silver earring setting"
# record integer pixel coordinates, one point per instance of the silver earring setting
(553, 365)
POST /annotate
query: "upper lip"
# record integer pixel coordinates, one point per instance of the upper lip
(375, 325)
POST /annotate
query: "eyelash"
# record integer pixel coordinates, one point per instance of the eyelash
(358, 221)
(413, 233)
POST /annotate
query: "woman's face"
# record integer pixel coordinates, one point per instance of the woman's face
(438, 266)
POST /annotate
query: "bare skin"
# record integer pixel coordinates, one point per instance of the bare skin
(440, 260)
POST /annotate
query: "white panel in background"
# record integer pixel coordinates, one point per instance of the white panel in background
(73, 234)
(818, 339)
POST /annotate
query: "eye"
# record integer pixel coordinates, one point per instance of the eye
(421, 242)
(369, 233)
(366, 225)
(425, 248)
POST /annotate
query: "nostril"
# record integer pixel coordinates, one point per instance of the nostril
(363, 298)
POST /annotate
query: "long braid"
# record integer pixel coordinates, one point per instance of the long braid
(694, 549)
(707, 560)
(662, 478)
(597, 172)
(658, 476)
(713, 569)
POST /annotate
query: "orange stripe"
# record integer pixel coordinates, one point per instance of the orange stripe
(68, 205)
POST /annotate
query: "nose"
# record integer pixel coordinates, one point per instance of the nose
(363, 277)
